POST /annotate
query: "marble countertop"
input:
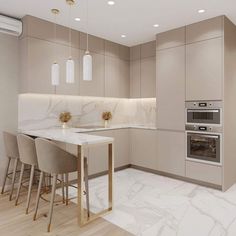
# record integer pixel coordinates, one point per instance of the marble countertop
(70, 135)
(99, 128)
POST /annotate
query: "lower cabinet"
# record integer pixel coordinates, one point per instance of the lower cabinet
(204, 172)
(98, 155)
(143, 148)
(171, 152)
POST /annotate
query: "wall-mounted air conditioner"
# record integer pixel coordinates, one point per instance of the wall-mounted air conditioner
(10, 26)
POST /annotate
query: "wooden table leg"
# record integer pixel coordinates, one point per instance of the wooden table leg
(80, 185)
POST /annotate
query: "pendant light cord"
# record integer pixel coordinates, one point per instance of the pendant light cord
(69, 23)
(87, 26)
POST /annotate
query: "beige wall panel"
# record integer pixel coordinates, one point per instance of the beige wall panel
(204, 172)
(124, 52)
(96, 87)
(171, 152)
(204, 70)
(172, 38)
(9, 78)
(203, 30)
(148, 77)
(171, 88)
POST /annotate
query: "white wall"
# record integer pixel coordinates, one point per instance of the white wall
(8, 90)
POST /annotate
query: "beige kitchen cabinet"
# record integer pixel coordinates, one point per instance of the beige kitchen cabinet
(135, 79)
(38, 56)
(170, 39)
(204, 70)
(116, 77)
(171, 152)
(204, 172)
(143, 148)
(148, 77)
(96, 87)
(203, 30)
(171, 88)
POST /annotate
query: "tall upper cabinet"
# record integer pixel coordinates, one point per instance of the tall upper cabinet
(170, 68)
(204, 60)
(143, 70)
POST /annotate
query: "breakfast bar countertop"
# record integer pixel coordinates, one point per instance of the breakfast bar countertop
(69, 135)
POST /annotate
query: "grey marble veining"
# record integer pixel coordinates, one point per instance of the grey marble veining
(36, 111)
(151, 205)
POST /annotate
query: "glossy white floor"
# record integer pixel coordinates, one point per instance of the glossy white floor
(151, 205)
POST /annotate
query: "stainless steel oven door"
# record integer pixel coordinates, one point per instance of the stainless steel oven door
(205, 147)
(204, 116)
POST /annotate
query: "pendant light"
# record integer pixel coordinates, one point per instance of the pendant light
(87, 58)
(55, 69)
(70, 65)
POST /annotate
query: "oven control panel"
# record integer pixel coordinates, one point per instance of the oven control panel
(203, 128)
(203, 105)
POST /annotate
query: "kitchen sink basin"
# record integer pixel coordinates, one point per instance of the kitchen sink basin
(91, 127)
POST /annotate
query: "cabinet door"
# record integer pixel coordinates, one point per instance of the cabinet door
(96, 86)
(171, 152)
(204, 70)
(122, 147)
(124, 82)
(148, 77)
(143, 148)
(135, 79)
(171, 88)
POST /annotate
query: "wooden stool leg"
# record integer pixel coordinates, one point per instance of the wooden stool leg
(30, 188)
(67, 188)
(13, 178)
(52, 200)
(5, 176)
(38, 194)
(20, 183)
(62, 188)
(86, 185)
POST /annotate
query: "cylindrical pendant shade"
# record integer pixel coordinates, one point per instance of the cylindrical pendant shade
(70, 73)
(87, 67)
(55, 73)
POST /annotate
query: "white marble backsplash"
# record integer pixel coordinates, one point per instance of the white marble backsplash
(36, 111)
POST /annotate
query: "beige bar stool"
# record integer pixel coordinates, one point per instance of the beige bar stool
(54, 160)
(28, 156)
(11, 148)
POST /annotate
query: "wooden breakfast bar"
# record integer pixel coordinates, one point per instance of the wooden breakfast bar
(82, 141)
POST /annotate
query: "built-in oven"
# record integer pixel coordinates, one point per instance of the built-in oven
(205, 147)
(208, 112)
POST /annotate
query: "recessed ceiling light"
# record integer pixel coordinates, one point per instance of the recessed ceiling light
(155, 25)
(110, 3)
(201, 11)
(123, 36)
(77, 19)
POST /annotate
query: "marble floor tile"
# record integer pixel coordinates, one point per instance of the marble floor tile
(146, 204)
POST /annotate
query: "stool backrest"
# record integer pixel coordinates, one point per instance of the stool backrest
(27, 149)
(11, 146)
(52, 159)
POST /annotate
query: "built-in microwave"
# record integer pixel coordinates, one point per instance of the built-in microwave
(208, 112)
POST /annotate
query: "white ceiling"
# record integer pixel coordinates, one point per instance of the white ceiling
(134, 18)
